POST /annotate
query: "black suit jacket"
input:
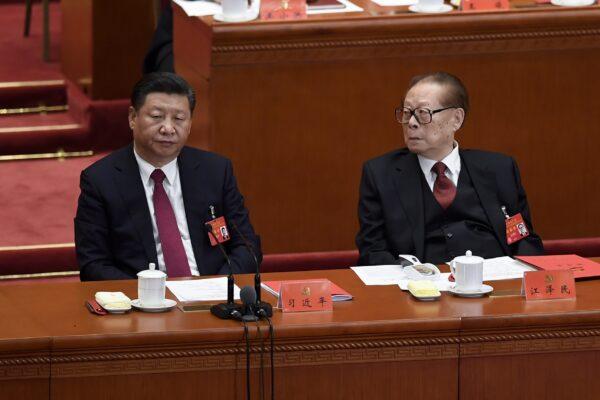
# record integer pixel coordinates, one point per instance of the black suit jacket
(391, 214)
(113, 228)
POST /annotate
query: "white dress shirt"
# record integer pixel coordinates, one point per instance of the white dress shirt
(172, 186)
(452, 162)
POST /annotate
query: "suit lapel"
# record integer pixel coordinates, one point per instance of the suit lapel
(194, 202)
(484, 182)
(129, 184)
(407, 182)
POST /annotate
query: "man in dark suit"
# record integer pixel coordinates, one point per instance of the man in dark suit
(433, 200)
(150, 202)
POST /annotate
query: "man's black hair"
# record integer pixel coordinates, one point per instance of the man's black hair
(161, 82)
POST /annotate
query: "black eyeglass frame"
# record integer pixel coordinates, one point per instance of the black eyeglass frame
(400, 111)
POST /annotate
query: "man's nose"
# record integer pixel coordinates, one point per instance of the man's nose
(168, 127)
(412, 122)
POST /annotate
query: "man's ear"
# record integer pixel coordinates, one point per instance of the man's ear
(459, 118)
(131, 117)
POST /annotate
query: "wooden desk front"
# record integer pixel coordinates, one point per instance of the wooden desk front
(381, 345)
(300, 105)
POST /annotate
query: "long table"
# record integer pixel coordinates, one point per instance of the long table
(381, 345)
(300, 105)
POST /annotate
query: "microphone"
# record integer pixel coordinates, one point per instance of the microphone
(224, 310)
(248, 296)
(260, 305)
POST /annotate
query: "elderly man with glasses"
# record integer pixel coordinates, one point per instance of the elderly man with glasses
(434, 200)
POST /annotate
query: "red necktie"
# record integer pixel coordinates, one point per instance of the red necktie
(444, 190)
(168, 232)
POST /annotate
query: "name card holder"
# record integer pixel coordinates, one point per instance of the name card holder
(282, 9)
(482, 5)
(549, 285)
(302, 296)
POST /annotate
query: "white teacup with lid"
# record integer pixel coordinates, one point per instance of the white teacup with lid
(151, 287)
(468, 272)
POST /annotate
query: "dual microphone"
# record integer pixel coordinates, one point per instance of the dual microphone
(252, 305)
(251, 310)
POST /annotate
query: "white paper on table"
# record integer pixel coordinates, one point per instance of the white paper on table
(213, 289)
(388, 3)
(502, 268)
(442, 283)
(380, 274)
(203, 8)
(199, 8)
(349, 7)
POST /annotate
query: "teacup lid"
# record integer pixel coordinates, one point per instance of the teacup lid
(468, 258)
(151, 273)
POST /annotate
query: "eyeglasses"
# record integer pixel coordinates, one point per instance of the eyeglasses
(422, 115)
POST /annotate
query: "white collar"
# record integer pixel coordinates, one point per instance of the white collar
(146, 169)
(452, 162)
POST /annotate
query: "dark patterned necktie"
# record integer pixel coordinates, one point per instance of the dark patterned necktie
(170, 239)
(444, 190)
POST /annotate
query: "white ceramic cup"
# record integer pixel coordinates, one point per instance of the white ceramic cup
(430, 5)
(468, 272)
(234, 8)
(151, 287)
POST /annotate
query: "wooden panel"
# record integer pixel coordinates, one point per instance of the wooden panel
(121, 40)
(76, 41)
(530, 376)
(102, 50)
(353, 381)
(300, 106)
(24, 353)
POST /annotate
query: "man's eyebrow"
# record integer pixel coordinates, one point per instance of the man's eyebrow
(421, 104)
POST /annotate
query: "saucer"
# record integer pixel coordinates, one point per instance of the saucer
(117, 310)
(427, 298)
(444, 8)
(572, 3)
(166, 306)
(223, 18)
(485, 289)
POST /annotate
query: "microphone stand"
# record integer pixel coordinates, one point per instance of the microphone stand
(260, 305)
(224, 310)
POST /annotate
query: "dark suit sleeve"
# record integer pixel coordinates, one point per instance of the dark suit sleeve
(92, 236)
(532, 244)
(242, 261)
(371, 240)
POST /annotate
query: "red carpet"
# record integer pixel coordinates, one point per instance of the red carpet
(87, 125)
(22, 57)
(39, 199)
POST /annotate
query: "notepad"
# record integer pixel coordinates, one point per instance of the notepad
(581, 267)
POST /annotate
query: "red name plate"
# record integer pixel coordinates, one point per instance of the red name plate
(545, 285)
(308, 295)
(479, 5)
(283, 9)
